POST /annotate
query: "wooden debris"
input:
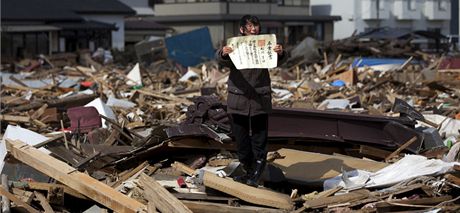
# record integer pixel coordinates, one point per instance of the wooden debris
(200, 206)
(5, 200)
(247, 193)
(72, 178)
(349, 197)
(162, 199)
(16, 200)
(43, 202)
(402, 147)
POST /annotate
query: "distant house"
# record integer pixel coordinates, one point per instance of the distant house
(290, 20)
(138, 28)
(31, 27)
(367, 15)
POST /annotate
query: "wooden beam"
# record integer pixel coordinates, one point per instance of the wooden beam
(43, 202)
(162, 199)
(17, 200)
(48, 186)
(373, 152)
(69, 176)
(401, 148)
(199, 206)
(322, 202)
(247, 193)
(329, 192)
(15, 118)
(39, 112)
(183, 168)
(60, 136)
(452, 178)
(129, 174)
(239, 190)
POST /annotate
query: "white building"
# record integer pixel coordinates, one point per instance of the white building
(364, 15)
(290, 20)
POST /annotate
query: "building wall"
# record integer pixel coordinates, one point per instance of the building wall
(118, 36)
(345, 9)
(362, 15)
(213, 8)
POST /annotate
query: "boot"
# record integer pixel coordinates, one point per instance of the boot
(259, 169)
(246, 171)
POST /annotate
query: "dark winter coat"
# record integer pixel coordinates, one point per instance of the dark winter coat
(249, 90)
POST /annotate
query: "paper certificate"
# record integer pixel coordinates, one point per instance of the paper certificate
(254, 51)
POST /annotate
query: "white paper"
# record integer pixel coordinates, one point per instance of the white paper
(114, 102)
(134, 76)
(24, 135)
(411, 166)
(254, 51)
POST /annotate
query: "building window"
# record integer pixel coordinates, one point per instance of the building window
(411, 4)
(442, 5)
(294, 2)
(381, 4)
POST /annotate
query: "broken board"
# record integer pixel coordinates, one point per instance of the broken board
(309, 167)
(76, 180)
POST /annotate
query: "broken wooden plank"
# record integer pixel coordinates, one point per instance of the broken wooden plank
(24, 195)
(323, 202)
(69, 176)
(378, 195)
(373, 152)
(452, 178)
(162, 199)
(15, 118)
(200, 206)
(60, 136)
(129, 174)
(183, 168)
(420, 201)
(88, 159)
(244, 192)
(329, 192)
(43, 202)
(154, 94)
(67, 102)
(17, 200)
(402, 147)
(247, 193)
(55, 195)
(39, 112)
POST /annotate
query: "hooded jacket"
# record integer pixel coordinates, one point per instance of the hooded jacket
(249, 90)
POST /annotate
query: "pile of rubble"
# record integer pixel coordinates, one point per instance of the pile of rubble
(354, 133)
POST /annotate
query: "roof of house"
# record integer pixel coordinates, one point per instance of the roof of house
(218, 18)
(85, 25)
(396, 33)
(63, 10)
(136, 24)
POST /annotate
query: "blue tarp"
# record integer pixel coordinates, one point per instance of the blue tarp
(361, 62)
(191, 48)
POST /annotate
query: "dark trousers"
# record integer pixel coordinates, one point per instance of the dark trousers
(251, 135)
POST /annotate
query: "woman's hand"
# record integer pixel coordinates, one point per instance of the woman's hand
(278, 49)
(226, 50)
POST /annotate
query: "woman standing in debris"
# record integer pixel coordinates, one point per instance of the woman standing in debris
(248, 103)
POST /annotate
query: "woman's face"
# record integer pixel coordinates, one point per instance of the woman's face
(250, 29)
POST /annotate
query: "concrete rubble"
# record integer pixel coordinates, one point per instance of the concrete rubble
(349, 131)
